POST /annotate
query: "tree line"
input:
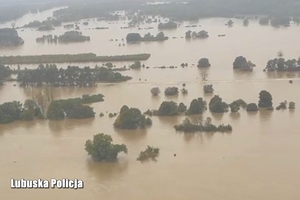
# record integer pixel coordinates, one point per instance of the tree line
(73, 76)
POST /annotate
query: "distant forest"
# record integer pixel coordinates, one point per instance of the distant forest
(195, 9)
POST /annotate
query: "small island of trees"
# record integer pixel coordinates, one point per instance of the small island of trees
(67, 37)
(201, 34)
(203, 63)
(101, 148)
(216, 105)
(136, 37)
(171, 91)
(5, 72)
(46, 28)
(208, 89)
(168, 25)
(242, 64)
(280, 64)
(201, 126)
(69, 58)
(149, 153)
(70, 77)
(131, 118)
(9, 38)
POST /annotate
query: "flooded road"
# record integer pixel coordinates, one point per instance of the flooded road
(257, 161)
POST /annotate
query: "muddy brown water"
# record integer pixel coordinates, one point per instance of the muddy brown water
(257, 161)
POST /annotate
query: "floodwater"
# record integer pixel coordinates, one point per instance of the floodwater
(257, 161)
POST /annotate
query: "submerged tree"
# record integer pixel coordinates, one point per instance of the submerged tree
(265, 99)
(168, 108)
(292, 105)
(208, 89)
(197, 106)
(242, 64)
(131, 118)
(203, 63)
(216, 105)
(102, 149)
(149, 153)
(155, 91)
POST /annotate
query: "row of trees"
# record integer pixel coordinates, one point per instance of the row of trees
(14, 111)
(136, 37)
(280, 64)
(169, 91)
(201, 126)
(42, 106)
(201, 34)
(70, 58)
(101, 148)
(72, 76)
(67, 37)
(215, 105)
(5, 72)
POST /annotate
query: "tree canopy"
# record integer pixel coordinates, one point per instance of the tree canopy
(242, 64)
(72, 76)
(203, 63)
(265, 99)
(131, 118)
(102, 149)
(216, 105)
(197, 106)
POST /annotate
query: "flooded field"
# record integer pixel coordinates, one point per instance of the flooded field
(257, 161)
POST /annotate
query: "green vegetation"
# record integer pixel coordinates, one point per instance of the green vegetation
(168, 25)
(216, 105)
(252, 107)
(71, 108)
(246, 22)
(265, 99)
(182, 108)
(236, 105)
(203, 63)
(138, 12)
(67, 37)
(200, 9)
(201, 34)
(264, 21)
(201, 126)
(280, 21)
(168, 108)
(136, 37)
(282, 105)
(149, 153)
(208, 89)
(71, 77)
(5, 72)
(38, 24)
(136, 65)
(102, 149)
(68, 58)
(184, 91)
(280, 64)
(13, 111)
(171, 91)
(242, 64)
(155, 91)
(197, 106)
(9, 38)
(45, 28)
(131, 118)
(292, 105)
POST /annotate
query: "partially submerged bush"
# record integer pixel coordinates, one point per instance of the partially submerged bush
(149, 153)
